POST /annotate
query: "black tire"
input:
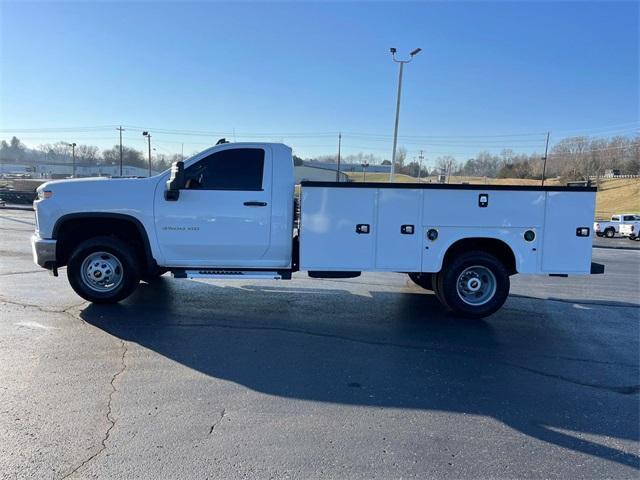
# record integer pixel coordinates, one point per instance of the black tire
(610, 233)
(435, 281)
(476, 265)
(127, 270)
(422, 280)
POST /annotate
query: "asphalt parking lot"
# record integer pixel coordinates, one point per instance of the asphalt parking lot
(359, 378)
(616, 242)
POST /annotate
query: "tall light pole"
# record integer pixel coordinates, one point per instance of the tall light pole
(364, 170)
(412, 54)
(73, 152)
(339, 146)
(148, 135)
(120, 130)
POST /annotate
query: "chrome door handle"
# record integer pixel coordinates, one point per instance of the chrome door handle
(255, 204)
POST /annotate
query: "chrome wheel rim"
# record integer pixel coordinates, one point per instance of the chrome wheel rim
(476, 285)
(101, 272)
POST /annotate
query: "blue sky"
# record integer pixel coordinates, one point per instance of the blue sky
(486, 69)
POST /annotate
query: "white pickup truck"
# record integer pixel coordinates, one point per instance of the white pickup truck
(230, 213)
(609, 228)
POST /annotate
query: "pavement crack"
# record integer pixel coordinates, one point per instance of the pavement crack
(223, 412)
(622, 389)
(109, 414)
(42, 309)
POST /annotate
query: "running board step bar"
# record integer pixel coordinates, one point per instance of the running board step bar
(228, 274)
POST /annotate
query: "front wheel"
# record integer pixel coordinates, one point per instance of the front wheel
(609, 233)
(103, 270)
(473, 284)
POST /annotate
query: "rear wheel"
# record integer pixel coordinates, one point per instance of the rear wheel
(473, 285)
(609, 233)
(422, 280)
(103, 270)
(435, 281)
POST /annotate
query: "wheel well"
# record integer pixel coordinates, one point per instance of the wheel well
(495, 247)
(70, 232)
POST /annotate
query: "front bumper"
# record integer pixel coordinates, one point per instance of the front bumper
(44, 252)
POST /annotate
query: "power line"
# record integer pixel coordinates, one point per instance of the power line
(516, 137)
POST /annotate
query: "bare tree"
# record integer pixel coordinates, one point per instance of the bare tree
(87, 154)
(130, 157)
(571, 153)
(446, 165)
(401, 156)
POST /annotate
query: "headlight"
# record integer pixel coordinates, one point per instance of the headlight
(42, 194)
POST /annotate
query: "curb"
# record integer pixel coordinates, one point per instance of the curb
(617, 248)
(16, 207)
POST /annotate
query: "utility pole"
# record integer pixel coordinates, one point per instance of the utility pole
(120, 129)
(395, 130)
(182, 153)
(148, 135)
(421, 157)
(339, 147)
(73, 152)
(544, 165)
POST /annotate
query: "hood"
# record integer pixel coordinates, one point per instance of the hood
(95, 183)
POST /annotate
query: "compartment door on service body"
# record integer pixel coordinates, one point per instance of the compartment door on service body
(223, 217)
(337, 228)
(563, 250)
(399, 230)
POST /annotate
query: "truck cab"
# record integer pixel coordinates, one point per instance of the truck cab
(233, 209)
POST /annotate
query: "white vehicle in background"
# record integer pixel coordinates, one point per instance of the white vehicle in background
(609, 228)
(631, 230)
(229, 213)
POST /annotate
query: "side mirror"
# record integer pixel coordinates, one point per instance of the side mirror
(176, 181)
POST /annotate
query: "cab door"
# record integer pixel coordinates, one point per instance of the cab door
(223, 216)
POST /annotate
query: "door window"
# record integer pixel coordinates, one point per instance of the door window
(232, 169)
